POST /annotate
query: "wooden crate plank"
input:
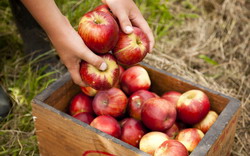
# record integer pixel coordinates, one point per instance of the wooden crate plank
(61, 134)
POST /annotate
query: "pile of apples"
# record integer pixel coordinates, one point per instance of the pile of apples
(101, 32)
(169, 124)
(119, 101)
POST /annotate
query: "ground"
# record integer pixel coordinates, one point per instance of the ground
(206, 42)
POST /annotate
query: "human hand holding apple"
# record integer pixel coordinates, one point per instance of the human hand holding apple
(97, 79)
(128, 15)
(131, 48)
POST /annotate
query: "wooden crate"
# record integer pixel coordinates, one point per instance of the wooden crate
(60, 134)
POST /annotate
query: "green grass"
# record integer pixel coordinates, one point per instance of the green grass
(23, 81)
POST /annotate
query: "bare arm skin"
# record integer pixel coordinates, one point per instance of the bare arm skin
(69, 45)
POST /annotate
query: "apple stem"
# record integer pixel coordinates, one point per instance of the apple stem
(96, 21)
(138, 41)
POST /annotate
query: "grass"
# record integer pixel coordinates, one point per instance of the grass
(23, 81)
(206, 42)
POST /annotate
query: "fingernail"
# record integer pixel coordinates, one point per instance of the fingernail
(103, 66)
(128, 29)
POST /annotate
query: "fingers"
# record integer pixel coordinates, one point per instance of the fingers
(125, 23)
(140, 22)
(93, 59)
(88, 56)
(75, 75)
(128, 14)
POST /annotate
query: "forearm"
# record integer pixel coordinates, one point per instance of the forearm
(47, 15)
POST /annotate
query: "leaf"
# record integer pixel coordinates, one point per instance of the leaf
(208, 59)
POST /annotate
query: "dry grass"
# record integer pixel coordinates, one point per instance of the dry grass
(211, 49)
(222, 34)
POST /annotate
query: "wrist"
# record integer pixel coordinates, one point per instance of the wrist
(60, 27)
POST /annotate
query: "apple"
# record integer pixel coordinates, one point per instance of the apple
(105, 9)
(99, 31)
(207, 122)
(190, 138)
(89, 91)
(158, 114)
(84, 117)
(97, 79)
(121, 70)
(136, 100)
(80, 103)
(151, 141)
(173, 131)
(192, 106)
(123, 121)
(107, 124)
(131, 48)
(133, 79)
(111, 102)
(171, 148)
(172, 96)
(132, 131)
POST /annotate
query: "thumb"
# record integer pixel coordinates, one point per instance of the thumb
(93, 59)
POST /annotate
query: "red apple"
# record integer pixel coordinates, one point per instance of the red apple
(190, 138)
(99, 31)
(172, 96)
(121, 70)
(131, 48)
(158, 114)
(192, 106)
(107, 124)
(207, 122)
(171, 148)
(84, 117)
(105, 9)
(97, 79)
(89, 91)
(81, 103)
(132, 131)
(133, 79)
(123, 121)
(172, 131)
(151, 141)
(111, 102)
(135, 102)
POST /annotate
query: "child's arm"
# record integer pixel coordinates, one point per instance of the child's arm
(69, 45)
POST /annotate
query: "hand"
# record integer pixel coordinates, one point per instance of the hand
(64, 38)
(71, 49)
(128, 14)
